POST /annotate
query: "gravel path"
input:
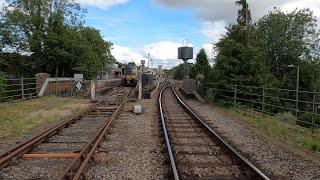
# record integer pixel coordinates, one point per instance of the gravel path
(133, 148)
(273, 158)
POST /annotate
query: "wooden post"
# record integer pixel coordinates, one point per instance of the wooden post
(140, 89)
(314, 110)
(235, 96)
(71, 88)
(93, 90)
(56, 86)
(22, 89)
(214, 95)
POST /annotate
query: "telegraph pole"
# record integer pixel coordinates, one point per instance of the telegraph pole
(148, 60)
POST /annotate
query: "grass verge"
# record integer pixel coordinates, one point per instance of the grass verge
(26, 117)
(281, 127)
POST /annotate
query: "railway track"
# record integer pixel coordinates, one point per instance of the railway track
(195, 150)
(65, 150)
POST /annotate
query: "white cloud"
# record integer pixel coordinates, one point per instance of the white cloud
(164, 53)
(216, 14)
(125, 54)
(3, 4)
(102, 4)
(213, 30)
(208, 47)
(213, 10)
(313, 5)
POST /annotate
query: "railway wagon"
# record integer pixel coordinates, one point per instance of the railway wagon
(130, 76)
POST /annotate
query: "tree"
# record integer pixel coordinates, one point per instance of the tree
(290, 38)
(132, 64)
(201, 66)
(51, 33)
(178, 71)
(1, 82)
(240, 59)
(239, 63)
(244, 14)
(93, 52)
(26, 22)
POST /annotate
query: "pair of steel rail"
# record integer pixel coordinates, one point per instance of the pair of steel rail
(224, 143)
(79, 164)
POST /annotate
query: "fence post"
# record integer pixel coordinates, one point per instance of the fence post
(56, 86)
(215, 94)
(314, 110)
(71, 88)
(93, 90)
(235, 96)
(22, 88)
(263, 100)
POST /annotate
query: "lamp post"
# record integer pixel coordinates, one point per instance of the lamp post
(297, 87)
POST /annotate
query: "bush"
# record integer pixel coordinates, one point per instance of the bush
(1, 81)
(307, 117)
(285, 117)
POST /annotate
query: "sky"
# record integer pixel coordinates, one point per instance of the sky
(158, 27)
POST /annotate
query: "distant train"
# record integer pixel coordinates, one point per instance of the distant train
(130, 76)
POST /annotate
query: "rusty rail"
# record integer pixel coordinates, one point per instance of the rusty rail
(22, 148)
(78, 165)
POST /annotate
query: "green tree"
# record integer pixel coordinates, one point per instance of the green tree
(51, 31)
(291, 38)
(201, 66)
(93, 52)
(25, 25)
(244, 13)
(239, 63)
(1, 81)
(132, 64)
(240, 59)
(178, 71)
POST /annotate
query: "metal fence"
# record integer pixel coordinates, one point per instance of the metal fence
(68, 87)
(17, 89)
(26, 88)
(305, 105)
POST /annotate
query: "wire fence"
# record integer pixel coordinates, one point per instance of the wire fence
(305, 105)
(17, 89)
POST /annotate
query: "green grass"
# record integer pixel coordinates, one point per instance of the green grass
(26, 117)
(281, 127)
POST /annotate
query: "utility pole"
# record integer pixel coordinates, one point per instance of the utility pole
(148, 60)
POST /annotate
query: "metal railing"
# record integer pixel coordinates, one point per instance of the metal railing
(270, 101)
(17, 89)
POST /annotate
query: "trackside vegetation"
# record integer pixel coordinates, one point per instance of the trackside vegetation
(50, 36)
(26, 117)
(280, 127)
(259, 54)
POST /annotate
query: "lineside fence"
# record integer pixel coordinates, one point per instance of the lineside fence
(12, 90)
(17, 89)
(305, 105)
(71, 87)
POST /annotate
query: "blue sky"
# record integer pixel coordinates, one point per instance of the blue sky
(143, 22)
(158, 27)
